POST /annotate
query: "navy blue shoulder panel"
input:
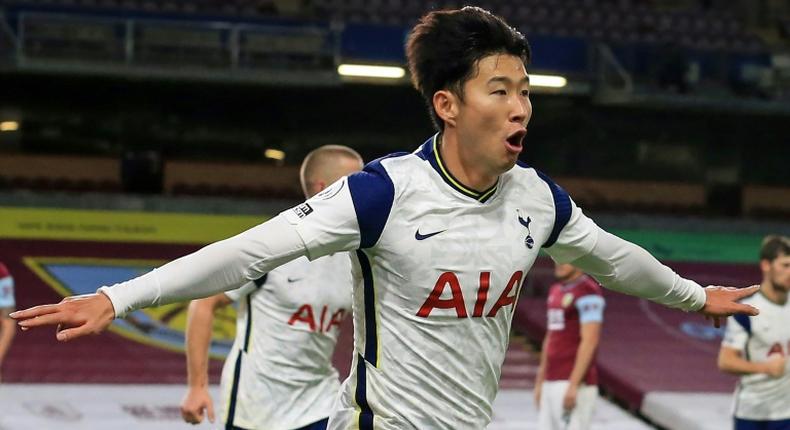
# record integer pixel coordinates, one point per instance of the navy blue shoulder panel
(745, 322)
(562, 207)
(372, 192)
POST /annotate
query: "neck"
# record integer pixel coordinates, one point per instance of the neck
(572, 277)
(463, 165)
(772, 293)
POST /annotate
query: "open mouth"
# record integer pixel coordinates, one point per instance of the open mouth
(514, 141)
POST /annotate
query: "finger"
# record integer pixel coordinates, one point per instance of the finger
(33, 312)
(210, 410)
(746, 309)
(73, 333)
(46, 319)
(746, 292)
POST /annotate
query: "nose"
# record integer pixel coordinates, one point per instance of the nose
(522, 110)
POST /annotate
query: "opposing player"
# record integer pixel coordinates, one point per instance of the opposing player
(566, 386)
(279, 374)
(441, 238)
(756, 347)
(7, 304)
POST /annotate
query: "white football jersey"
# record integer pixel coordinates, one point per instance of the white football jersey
(437, 273)
(279, 373)
(760, 396)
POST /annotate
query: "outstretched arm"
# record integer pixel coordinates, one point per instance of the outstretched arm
(215, 268)
(320, 226)
(622, 266)
(200, 317)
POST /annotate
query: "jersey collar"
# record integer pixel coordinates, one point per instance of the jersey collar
(430, 152)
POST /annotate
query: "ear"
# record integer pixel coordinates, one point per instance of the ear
(765, 266)
(446, 105)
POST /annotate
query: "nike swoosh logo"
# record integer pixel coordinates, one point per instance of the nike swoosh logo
(294, 279)
(419, 236)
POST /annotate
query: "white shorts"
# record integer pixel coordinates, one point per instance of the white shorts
(551, 414)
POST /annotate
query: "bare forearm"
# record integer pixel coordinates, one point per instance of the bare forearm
(7, 333)
(543, 360)
(198, 339)
(584, 356)
(740, 366)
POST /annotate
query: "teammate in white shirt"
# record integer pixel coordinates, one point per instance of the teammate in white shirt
(278, 375)
(757, 347)
(442, 240)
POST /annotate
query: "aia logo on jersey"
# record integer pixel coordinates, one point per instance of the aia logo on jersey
(305, 315)
(457, 302)
(529, 241)
(303, 210)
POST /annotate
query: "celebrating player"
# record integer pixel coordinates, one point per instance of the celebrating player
(278, 374)
(441, 237)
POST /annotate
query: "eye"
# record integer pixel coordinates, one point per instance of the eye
(524, 93)
(500, 92)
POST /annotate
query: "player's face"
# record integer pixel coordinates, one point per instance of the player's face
(493, 116)
(779, 272)
(564, 272)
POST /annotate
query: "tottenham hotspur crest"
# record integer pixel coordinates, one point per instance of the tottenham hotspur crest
(528, 241)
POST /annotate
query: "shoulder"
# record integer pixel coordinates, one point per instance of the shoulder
(373, 192)
(544, 194)
(589, 286)
(526, 175)
(377, 177)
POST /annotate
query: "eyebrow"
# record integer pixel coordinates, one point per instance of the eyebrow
(506, 80)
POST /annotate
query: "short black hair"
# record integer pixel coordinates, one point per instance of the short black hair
(774, 247)
(444, 47)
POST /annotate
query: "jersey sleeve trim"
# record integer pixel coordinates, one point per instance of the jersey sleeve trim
(590, 308)
(562, 208)
(745, 322)
(372, 193)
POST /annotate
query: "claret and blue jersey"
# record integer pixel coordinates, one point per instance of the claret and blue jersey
(437, 272)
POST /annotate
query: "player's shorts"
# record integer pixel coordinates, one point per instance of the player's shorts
(742, 424)
(551, 415)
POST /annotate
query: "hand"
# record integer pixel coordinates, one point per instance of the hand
(75, 316)
(723, 302)
(536, 393)
(775, 365)
(195, 402)
(569, 401)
